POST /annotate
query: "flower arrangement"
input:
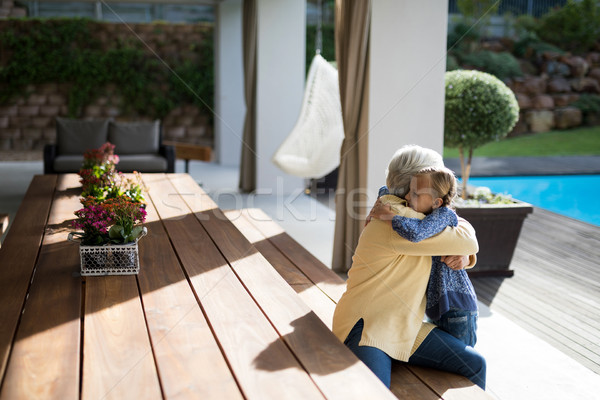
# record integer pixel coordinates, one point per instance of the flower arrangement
(484, 195)
(112, 203)
(110, 221)
(100, 179)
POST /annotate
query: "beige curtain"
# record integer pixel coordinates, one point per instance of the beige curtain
(352, 25)
(248, 161)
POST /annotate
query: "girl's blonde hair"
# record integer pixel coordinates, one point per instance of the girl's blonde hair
(407, 161)
(443, 183)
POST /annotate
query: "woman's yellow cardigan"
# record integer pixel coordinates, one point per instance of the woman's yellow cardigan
(387, 283)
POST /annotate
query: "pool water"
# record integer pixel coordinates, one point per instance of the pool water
(576, 196)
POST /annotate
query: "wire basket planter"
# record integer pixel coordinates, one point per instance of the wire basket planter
(109, 259)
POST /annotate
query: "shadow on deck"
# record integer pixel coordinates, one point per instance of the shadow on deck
(555, 291)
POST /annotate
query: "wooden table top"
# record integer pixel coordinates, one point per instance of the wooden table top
(206, 317)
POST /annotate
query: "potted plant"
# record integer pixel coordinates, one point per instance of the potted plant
(480, 108)
(113, 205)
(109, 235)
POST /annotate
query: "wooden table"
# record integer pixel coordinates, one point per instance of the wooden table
(208, 316)
(187, 152)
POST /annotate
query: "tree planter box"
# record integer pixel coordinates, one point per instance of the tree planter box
(498, 227)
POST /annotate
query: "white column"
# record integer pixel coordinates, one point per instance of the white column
(229, 83)
(407, 62)
(281, 40)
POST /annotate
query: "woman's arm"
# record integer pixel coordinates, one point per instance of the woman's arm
(459, 240)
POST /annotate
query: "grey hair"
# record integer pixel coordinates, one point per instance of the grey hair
(406, 162)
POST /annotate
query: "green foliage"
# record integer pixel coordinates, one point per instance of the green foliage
(501, 64)
(463, 37)
(477, 8)
(530, 46)
(484, 195)
(588, 103)
(463, 43)
(328, 43)
(479, 108)
(477, 13)
(64, 50)
(451, 63)
(525, 25)
(37, 53)
(574, 27)
(193, 83)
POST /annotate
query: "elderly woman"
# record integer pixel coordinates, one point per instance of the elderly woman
(380, 317)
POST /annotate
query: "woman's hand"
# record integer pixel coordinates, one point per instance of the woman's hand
(456, 262)
(380, 211)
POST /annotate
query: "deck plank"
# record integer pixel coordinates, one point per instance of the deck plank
(315, 346)
(188, 357)
(18, 256)
(316, 299)
(45, 360)
(406, 385)
(449, 386)
(261, 362)
(554, 291)
(322, 276)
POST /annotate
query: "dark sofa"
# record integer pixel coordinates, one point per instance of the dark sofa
(138, 145)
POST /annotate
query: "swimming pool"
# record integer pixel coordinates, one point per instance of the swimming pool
(576, 196)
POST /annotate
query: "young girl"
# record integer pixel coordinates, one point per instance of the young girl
(451, 299)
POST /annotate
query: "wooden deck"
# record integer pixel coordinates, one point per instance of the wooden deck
(555, 291)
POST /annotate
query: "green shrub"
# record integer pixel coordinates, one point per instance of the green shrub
(501, 64)
(524, 25)
(463, 37)
(451, 63)
(477, 8)
(589, 104)
(479, 108)
(530, 46)
(574, 27)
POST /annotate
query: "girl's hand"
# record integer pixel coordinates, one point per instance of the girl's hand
(456, 262)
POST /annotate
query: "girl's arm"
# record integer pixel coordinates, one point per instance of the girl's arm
(412, 226)
(416, 230)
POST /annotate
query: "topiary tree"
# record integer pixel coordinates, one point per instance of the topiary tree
(479, 108)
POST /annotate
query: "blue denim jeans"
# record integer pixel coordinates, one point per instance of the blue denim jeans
(461, 324)
(439, 350)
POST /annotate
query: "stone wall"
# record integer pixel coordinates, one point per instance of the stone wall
(8, 9)
(549, 88)
(28, 123)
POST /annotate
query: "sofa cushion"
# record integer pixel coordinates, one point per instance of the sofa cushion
(67, 163)
(134, 137)
(127, 163)
(142, 163)
(76, 136)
